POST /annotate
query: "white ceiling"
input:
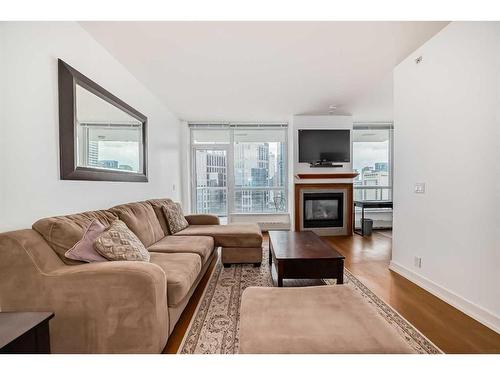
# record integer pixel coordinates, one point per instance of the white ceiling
(264, 71)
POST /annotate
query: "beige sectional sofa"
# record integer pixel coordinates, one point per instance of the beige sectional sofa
(121, 306)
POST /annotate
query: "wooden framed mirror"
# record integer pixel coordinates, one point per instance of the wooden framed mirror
(101, 138)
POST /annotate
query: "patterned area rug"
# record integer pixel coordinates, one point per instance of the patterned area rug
(215, 325)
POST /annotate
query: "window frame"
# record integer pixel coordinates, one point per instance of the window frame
(196, 147)
(229, 148)
(378, 126)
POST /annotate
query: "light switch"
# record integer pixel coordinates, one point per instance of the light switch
(420, 187)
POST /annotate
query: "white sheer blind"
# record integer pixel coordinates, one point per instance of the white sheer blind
(220, 133)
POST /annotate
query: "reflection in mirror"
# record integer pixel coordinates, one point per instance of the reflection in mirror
(107, 137)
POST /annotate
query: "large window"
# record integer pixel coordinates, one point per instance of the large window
(239, 169)
(372, 159)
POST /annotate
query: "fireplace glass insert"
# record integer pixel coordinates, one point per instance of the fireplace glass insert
(323, 210)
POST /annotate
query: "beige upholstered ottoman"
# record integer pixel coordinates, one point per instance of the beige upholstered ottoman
(319, 319)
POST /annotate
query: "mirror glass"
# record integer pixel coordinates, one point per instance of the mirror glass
(107, 137)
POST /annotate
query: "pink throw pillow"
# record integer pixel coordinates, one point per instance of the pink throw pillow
(84, 249)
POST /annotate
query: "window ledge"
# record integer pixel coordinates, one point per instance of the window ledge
(260, 214)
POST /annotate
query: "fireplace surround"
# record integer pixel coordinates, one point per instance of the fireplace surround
(325, 209)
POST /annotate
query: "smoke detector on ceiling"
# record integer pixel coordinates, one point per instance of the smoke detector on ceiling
(331, 108)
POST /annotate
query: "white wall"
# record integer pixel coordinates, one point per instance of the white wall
(376, 105)
(29, 150)
(447, 131)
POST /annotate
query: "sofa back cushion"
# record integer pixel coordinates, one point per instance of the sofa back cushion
(157, 205)
(63, 232)
(141, 219)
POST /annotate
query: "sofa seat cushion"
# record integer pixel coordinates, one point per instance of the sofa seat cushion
(141, 219)
(182, 270)
(63, 232)
(231, 235)
(203, 246)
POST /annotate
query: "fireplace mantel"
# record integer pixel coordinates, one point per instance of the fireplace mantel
(316, 176)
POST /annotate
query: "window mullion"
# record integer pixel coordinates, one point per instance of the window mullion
(230, 174)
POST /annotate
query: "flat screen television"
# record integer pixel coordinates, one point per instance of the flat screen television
(332, 145)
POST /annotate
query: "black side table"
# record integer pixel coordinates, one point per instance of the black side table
(367, 204)
(25, 332)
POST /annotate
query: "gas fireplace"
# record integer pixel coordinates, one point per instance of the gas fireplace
(323, 210)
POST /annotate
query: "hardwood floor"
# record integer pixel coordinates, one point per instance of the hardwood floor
(451, 330)
(368, 259)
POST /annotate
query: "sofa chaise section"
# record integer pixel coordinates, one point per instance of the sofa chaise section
(240, 243)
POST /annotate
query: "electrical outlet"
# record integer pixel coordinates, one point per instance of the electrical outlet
(420, 187)
(173, 187)
(417, 262)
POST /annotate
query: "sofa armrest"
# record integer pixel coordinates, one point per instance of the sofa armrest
(108, 307)
(202, 219)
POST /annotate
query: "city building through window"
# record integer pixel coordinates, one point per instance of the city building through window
(239, 168)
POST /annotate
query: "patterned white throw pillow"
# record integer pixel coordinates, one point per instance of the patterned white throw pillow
(175, 218)
(120, 243)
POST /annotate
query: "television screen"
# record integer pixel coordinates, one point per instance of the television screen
(324, 145)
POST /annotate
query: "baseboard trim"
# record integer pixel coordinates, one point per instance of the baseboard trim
(476, 312)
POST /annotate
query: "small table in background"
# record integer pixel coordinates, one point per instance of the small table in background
(25, 332)
(367, 204)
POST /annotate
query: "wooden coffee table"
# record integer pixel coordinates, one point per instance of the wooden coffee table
(304, 255)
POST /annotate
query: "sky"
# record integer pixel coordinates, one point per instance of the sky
(124, 152)
(366, 154)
